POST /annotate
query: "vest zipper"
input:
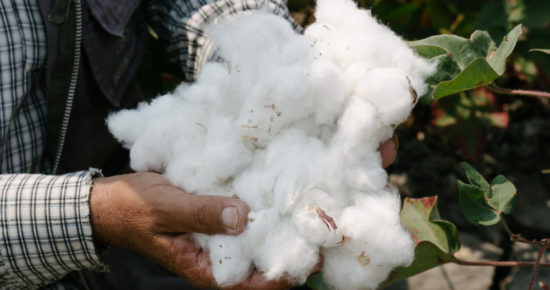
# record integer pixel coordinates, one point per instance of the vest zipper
(72, 86)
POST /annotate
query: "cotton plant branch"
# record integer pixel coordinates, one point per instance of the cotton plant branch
(542, 249)
(458, 261)
(542, 244)
(517, 237)
(506, 91)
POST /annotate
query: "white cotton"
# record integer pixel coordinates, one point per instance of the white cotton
(291, 124)
(376, 243)
(285, 252)
(226, 253)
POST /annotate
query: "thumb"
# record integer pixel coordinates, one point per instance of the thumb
(211, 215)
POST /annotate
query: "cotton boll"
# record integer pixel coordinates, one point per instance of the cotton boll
(358, 127)
(342, 271)
(290, 92)
(122, 126)
(273, 107)
(327, 85)
(202, 94)
(349, 269)
(202, 240)
(388, 90)
(416, 68)
(255, 187)
(368, 177)
(377, 245)
(291, 124)
(285, 253)
(260, 223)
(259, 30)
(230, 265)
(293, 156)
(313, 219)
(390, 234)
(154, 160)
(128, 125)
(151, 149)
(371, 42)
(331, 11)
(380, 227)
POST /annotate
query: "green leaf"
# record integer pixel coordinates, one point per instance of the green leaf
(478, 60)
(436, 240)
(502, 194)
(476, 178)
(428, 51)
(316, 282)
(547, 51)
(459, 49)
(498, 59)
(477, 74)
(426, 256)
(474, 206)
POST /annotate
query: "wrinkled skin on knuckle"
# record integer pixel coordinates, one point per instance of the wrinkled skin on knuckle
(200, 219)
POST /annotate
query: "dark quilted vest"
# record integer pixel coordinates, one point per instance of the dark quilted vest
(106, 82)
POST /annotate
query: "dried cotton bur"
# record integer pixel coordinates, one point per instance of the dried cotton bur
(294, 133)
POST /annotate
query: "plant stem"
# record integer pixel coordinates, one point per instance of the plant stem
(497, 263)
(542, 249)
(505, 91)
(517, 237)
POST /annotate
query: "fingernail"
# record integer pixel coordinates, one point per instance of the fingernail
(230, 217)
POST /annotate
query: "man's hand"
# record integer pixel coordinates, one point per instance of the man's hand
(144, 212)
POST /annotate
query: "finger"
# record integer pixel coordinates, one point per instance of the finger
(209, 214)
(319, 266)
(188, 260)
(257, 281)
(388, 150)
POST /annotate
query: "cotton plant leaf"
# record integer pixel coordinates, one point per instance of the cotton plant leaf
(462, 50)
(426, 256)
(502, 195)
(474, 206)
(316, 282)
(478, 59)
(483, 203)
(475, 177)
(436, 239)
(477, 74)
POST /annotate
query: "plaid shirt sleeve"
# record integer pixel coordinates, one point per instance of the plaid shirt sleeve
(45, 229)
(182, 23)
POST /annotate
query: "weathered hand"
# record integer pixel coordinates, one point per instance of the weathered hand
(146, 213)
(197, 270)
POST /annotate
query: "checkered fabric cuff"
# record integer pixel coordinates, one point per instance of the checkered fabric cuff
(45, 229)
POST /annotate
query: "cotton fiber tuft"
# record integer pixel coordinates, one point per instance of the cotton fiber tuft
(291, 125)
